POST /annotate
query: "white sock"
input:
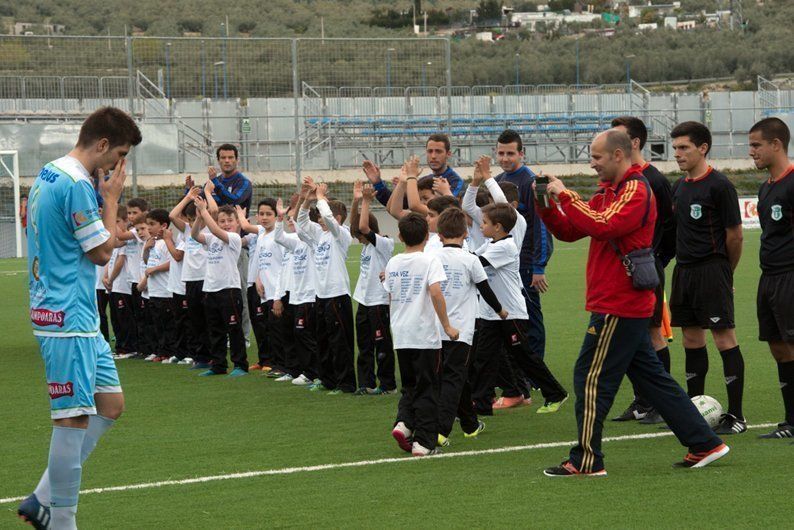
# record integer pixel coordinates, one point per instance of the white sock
(97, 426)
(65, 471)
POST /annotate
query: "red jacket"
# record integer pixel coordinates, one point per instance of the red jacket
(616, 213)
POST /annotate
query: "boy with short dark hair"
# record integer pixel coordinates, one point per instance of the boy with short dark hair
(146, 343)
(500, 259)
(133, 246)
(223, 303)
(158, 265)
(373, 333)
(118, 284)
(413, 281)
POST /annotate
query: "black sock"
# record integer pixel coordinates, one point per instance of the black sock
(697, 366)
(733, 368)
(664, 356)
(786, 375)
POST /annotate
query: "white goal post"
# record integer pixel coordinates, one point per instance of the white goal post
(9, 169)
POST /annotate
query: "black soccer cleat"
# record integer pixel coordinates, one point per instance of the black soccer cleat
(34, 513)
(652, 418)
(635, 411)
(783, 430)
(730, 424)
(567, 469)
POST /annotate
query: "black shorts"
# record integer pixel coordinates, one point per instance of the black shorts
(658, 309)
(775, 307)
(702, 296)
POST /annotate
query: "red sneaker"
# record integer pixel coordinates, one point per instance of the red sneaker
(509, 402)
(703, 459)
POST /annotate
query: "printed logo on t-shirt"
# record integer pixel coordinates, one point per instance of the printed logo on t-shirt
(59, 390)
(777, 212)
(45, 317)
(695, 211)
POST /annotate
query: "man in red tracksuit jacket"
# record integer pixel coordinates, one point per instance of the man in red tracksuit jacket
(617, 340)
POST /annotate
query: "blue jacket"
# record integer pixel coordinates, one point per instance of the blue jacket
(537, 247)
(382, 192)
(233, 190)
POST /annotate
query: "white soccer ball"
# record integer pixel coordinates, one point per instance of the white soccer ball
(709, 408)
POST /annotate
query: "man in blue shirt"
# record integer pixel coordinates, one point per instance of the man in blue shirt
(68, 236)
(537, 247)
(437, 150)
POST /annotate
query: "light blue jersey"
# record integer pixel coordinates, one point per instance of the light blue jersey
(64, 224)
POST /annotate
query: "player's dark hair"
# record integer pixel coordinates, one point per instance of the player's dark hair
(190, 210)
(773, 129)
(452, 223)
(483, 197)
(635, 127)
(227, 147)
(121, 212)
(373, 226)
(697, 133)
(501, 213)
(228, 209)
(413, 229)
(439, 137)
(159, 215)
(314, 215)
(439, 204)
(110, 123)
(510, 190)
(338, 208)
(137, 202)
(269, 202)
(425, 183)
(509, 136)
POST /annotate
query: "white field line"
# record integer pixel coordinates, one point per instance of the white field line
(363, 463)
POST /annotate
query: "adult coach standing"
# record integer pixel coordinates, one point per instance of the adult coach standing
(617, 342)
(234, 188)
(663, 249)
(769, 139)
(67, 238)
(537, 246)
(708, 248)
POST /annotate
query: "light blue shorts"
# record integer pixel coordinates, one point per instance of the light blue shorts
(77, 368)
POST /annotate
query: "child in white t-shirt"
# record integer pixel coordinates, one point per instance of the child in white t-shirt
(330, 241)
(174, 242)
(194, 268)
(294, 305)
(373, 333)
(223, 299)
(413, 282)
(500, 257)
(140, 283)
(158, 266)
(465, 278)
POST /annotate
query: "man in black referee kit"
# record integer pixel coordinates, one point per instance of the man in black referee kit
(619, 219)
(769, 139)
(708, 247)
(663, 249)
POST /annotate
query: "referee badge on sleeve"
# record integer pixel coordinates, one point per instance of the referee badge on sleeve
(695, 211)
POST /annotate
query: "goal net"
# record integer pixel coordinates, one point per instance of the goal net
(12, 243)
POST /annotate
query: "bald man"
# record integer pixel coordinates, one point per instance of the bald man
(619, 219)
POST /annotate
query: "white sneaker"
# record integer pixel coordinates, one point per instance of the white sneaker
(129, 355)
(172, 360)
(117, 356)
(402, 435)
(302, 380)
(247, 343)
(285, 377)
(186, 360)
(420, 450)
(151, 357)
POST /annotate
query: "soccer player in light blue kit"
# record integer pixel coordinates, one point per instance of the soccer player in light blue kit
(67, 237)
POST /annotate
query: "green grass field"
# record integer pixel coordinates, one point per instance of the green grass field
(178, 426)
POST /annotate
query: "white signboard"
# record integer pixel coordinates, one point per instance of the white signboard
(748, 206)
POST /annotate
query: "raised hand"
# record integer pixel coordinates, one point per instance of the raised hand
(189, 182)
(209, 187)
(411, 166)
(485, 166)
(321, 191)
(212, 172)
(368, 193)
(371, 171)
(441, 186)
(111, 189)
(167, 235)
(201, 204)
(240, 212)
(193, 192)
(358, 190)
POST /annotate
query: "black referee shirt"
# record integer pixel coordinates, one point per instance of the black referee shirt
(776, 213)
(704, 208)
(664, 231)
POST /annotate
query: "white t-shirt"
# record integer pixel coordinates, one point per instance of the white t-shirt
(268, 260)
(222, 272)
(504, 279)
(469, 206)
(175, 283)
(158, 282)
(464, 271)
(194, 264)
(252, 240)
(369, 290)
(414, 322)
(434, 244)
(121, 284)
(302, 280)
(132, 249)
(141, 270)
(330, 251)
(100, 274)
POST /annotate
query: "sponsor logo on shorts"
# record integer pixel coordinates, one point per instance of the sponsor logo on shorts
(184, 304)
(45, 317)
(777, 212)
(299, 324)
(592, 330)
(695, 211)
(59, 390)
(514, 340)
(715, 319)
(232, 319)
(378, 334)
(120, 304)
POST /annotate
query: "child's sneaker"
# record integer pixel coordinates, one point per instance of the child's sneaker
(302, 380)
(238, 372)
(151, 357)
(284, 378)
(477, 431)
(186, 360)
(550, 407)
(508, 402)
(420, 450)
(403, 436)
(172, 360)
